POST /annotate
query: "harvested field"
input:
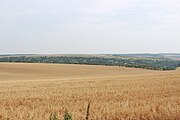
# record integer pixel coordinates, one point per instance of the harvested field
(34, 91)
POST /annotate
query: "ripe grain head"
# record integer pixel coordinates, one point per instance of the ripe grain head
(33, 91)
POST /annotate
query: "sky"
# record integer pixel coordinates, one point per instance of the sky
(89, 26)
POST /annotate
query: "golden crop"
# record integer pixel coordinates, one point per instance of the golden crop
(34, 91)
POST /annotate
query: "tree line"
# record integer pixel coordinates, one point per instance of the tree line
(154, 64)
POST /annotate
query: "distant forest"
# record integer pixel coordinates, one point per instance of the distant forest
(146, 63)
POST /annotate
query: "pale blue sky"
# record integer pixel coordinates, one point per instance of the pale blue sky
(89, 26)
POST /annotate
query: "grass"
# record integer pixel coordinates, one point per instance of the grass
(53, 116)
(27, 93)
(87, 112)
(68, 116)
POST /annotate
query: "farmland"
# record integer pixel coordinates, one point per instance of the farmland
(32, 91)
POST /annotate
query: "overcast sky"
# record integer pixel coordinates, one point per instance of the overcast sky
(89, 26)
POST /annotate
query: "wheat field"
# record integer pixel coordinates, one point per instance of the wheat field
(34, 91)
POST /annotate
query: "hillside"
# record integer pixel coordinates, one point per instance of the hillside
(33, 71)
(147, 61)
